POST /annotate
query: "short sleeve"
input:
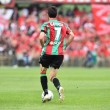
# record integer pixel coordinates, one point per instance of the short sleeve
(44, 27)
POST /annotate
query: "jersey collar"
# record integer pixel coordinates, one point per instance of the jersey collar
(53, 20)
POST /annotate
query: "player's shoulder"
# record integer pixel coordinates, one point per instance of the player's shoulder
(64, 24)
(45, 23)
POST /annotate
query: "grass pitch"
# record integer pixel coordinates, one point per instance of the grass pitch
(85, 89)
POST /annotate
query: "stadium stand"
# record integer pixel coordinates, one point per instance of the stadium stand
(19, 30)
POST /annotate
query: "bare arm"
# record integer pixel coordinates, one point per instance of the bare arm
(42, 38)
(70, 38)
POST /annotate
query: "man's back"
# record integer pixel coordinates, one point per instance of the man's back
(56, 32)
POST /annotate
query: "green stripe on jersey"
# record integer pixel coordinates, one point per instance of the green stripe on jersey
(47, 41)
(43, 26)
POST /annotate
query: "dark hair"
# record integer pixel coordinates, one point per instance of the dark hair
(52, 12)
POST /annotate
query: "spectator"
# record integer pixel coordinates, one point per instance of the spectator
(19, 32)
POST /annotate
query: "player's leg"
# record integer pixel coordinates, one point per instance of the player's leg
(44, 64)
(57, 61)
(53, 73)
(43, 79)
(44, 84)
(56, 82)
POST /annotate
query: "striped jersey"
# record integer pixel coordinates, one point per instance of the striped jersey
(56, 32)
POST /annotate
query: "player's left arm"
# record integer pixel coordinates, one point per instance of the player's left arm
(42, 34)
(42, 38)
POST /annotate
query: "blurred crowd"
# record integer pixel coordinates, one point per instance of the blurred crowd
(19, 30)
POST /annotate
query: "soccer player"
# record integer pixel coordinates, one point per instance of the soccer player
(53, 41)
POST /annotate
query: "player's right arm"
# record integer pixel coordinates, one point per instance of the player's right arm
(70, 36)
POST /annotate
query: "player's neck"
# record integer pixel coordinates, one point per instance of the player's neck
(52, 19)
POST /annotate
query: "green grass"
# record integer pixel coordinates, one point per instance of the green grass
(85, 89)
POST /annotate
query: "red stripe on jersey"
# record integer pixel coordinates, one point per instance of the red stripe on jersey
(45, 29)
(63, 34)
(52, 38)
